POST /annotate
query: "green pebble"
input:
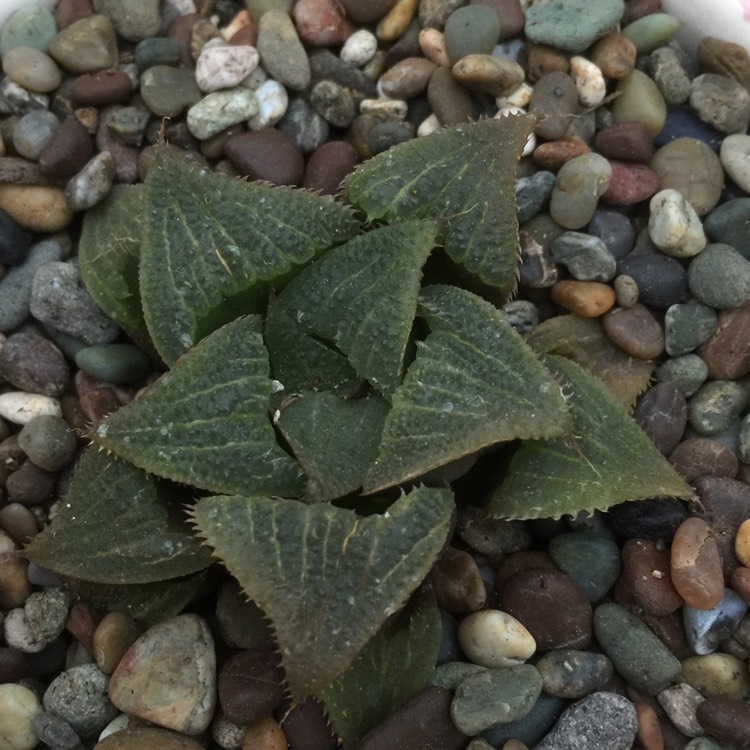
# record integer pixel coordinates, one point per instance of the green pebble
(49, 442)
(688, 373)
(114, 363)
(720, 277)
(729, 224)
(651, 32)
(28, 27)
(156, 51)
(168, 91)
(451, 673)
(716, 405)
(640, 658)
(473, 29)
(639, 100)
(687, 326)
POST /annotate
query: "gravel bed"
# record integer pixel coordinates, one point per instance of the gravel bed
(612, 630)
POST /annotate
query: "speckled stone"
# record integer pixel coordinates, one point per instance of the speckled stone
(717, 675)
(574, 674)
(720, 277)
(726, 352)
(635, 330)
(281, 52)
(688, 373)
(586, 258)
(18, 708)
(669, 75)
(687, 326)
(219, 110)
(722, 102)
(680, 703)
(697, 457)
(716, 405)
(726, 719)
(647, 577)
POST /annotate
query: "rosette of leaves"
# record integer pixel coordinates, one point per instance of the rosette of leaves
(319, 376)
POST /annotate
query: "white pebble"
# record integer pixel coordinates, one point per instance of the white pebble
(18, 707)
(518, 98)
(589, 81)
(492, 638)
(735, 158)
(20, 407)
(224, 66)
(359, 48)
(18, 634)
(428, 126)
(394, 108)
(92, 184)
(272, 103)
(117, 724)
(220, 109)
(432, 44)
(674, 226)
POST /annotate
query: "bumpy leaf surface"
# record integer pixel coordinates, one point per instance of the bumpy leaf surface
(214, 246)
(361, 298)
(335, 440)
(465, 178)
(473, 383)
(206, 422)
(113, 527)
(393, 667)
(606, 459)
(326, 577)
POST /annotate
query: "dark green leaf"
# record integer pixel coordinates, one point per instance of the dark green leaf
(326, 577)
(474, 383)
(393, 667)
(215, 245)
(206, 422)
(606, 459)
(465, 178)
(112, 527)
(335, 440)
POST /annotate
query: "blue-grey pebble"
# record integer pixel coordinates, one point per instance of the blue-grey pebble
(705, 629)
(662, 281)
(688, 373)
(682, 122)
(472, 29)
(159, 50)
(533, 726)
(33, 131)
(15, 241)
(743, 440)
(568, 673)
(586, 258)
(115, 363)
(638, 656)
(532, 193)
(33, 26)
(55, 733)
(687, 326)
(600, 720)
(614, 229)
(716, 405)
(48, 441)
(15, 286)
(720, 277)
(729, 224)
(593, 561)
(449, 649)
(496, 696)
(304, 125)
(522, 314)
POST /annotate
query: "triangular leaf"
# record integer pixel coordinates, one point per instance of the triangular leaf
(109, 254)
(214, 245)
(474, 383)
(465, 178)
(393, 667)
(361, 297)
(335, 440)
(206, 422)
(112, 527)
(326, 577)
(606, 459)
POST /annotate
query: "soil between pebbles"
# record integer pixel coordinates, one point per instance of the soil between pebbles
(626, 629)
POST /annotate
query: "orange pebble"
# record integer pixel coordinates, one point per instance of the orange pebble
(649, 730)
(265, 734)
(589, 299)
(554, 154)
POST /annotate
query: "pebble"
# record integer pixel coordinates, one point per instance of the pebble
(715, 406)
(726, 719)
(334, 103)
(67, 151)
(321, 23)
(589, 81)
(647, 577)
(696, 566)
(92, 184)
(626, 291)
(669, 75)
(29, 485)
(114, 635)
(56, 733)
(224, 66)
(532, 193)
(449, 674)
(140, 20)
(634, 330)
(458, 583)
(18, 634)
(729, 224)
(599, 720)
(59, 299)
(707, 628)
(553, 154)
(488, 74)
(692, 169)
(614, 229)
(156, 51)
(716, 675)
(31, 26)
(682, 122)
(37, 208)
(578, 186)
(680, 703)
(720, 277)
(586, 258)
(590, 559)
(589, 299)
(139, 737)
(18, 707)
(304, 126)
(630, 184)
(33, 69)
(48, 441)
(281, 52)
(102, 88)
(168, 91)
(266, 734)
(554, 100)
(697, 457)
(662, 281)
(168, 676)
(726, 352)
(637, 654)
(639, 100)
(79, 696)
(34, 364)
(471, 30)
(492, 638)
(20, 408)
(272, 103)
(269, 155)
(46, 613)
(451, 103)
(359, 48)
(522, 315)
(85, 46)
(115, 363)
(220, 110)
(495, 696)
(722, 102)
(674, 226)
(687, 326)
(567, 673)
(735, 155)
(688, 373)
(651, 31)
(614, 54)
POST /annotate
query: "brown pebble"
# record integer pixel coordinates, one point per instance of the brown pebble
(17, 171)
(34, 364)
(635, 9)
(726, 352)
(366, 11)
(265, 734)
(522, 560)
(70, 11)
(126, 157)
(615, 55)
(29, 484)
(245, 35)
(268, 154)
(589, 299)
(328, 165)
(725, 58)
(113, 636)
(307, 727)
(630, 184)
(740, 581)
(98, 403)
(635, 330)
(407, 78)
(727, 720)
(19, 522)
(451, 103)
(36, 207)
(182, 31)
(81, 624)
(670, 630)
(457, 582)
(543, 59)
(489, 75)
(101, 89)
(153, 738)
(554, 101)
(14, 583)
(321, 23)
(553, 154)
(434, 13)
(649, 730)
(514, 744)
(646, 571)
(251, 685)
(625, 141)
(68, 150)
(698, 457)
(696, 565)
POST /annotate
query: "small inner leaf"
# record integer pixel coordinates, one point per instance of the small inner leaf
(326, 577)
(474, 383)
(148, 541)
(606, 459)
(206, 422)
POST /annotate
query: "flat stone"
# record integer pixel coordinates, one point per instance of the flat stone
(33, 69)
(407, 78)
(568, 673)
(589, 299)
(554, 101)
(725, 57)
(552, 155)
(26, 25)
(630, 184)
(449, 100)
(168, 91)
(579, 184)
(639, 100)
(168, 676)
(729, 224)
(727, 351)
(493, 639)
(696, 566)
(55, 732)
(139, 737)
(661, 280)
(635, 330)
(687, 326)
(471, 30)
(269, 155)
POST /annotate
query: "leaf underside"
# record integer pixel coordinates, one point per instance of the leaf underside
(463, 177)
(214, 246)
(206, 422)
(606, 459)
(326, 577)
(473, 383)
(114, 528)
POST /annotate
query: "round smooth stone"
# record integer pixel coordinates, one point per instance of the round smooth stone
(651, 31)
(554, 101)
(113, 636)
(553, 154)
(726, 719)
(36, 207)
(486, 699)
(639, 100)
(168, 91)
(630, 184)
(488, 74)
(33, 131)
(156, 51)
(674, 226)
(579, 184)
(661, 412)
(589, 299)
(33, 69)
(707, 628)
(614, 229)
(697, 457)
(720, 277)
(85, 46)
(586, 258)
(684, 123)
(492, 638)
(687, 326)
(15, 242)
(224, 66)
(328, 166)
(573, 674)
(137, 737)
(726, 352)
(396, 22)
(101, 89)
(626, 291)
(471, 30)
(614, 54)
(717, 675)
(646, 575)
(625, 141)
(281, 52)
(735, 158)
(359, 48)
(18, 707)
(407, 78)
(67, 151)
(451, 103)
(696, 566)
(114, 363)
(269, 155)
(334, 103)
(48, 441)
(140, 20)
(687, 373)
(729, 223)
(458, 583)
(29, 25)
(722, 102)
(532, 193)
(220, 110)
(20, 408)
(637, 654)
(662, 281)
(635, 330)
(670, 76)
(742, 543)
(250, 686)
(715, 406)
